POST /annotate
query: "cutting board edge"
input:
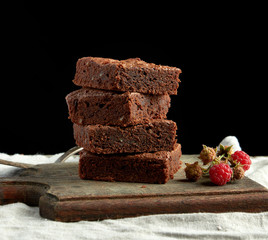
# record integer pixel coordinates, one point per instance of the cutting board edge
(100, 209)
(22, 191)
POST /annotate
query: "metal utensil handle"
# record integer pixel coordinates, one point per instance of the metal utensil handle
(68, 154)
(16, 164)
(62, 158)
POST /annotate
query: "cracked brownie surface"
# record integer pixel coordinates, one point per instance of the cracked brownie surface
(132, 75)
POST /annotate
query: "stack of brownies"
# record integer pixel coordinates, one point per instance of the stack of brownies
(119, 118)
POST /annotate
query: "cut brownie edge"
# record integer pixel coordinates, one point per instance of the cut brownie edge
(156, 135)
(156, 167)
(90, 106)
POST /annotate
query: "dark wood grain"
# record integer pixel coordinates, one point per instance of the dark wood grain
(62, 196)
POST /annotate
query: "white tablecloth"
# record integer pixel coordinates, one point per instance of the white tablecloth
(19, 221)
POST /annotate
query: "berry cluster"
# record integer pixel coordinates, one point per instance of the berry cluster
(223, 165)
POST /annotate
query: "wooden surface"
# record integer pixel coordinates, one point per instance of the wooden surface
(62, 196)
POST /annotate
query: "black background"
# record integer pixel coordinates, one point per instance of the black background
(220, 49)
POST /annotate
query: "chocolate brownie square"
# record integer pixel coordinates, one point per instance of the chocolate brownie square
(157, 135)
(133, 75)
(92, 106)
(156, 167)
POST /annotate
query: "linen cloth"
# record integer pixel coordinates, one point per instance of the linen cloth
(19, 221)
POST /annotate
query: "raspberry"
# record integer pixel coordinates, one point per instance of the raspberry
(207, 154)
(238, 172)
(242, 158)
(220, 173)
(193, 171)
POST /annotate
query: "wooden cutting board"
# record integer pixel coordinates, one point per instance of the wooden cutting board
(62, 196)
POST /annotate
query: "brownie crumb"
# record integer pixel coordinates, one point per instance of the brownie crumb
(133, 75)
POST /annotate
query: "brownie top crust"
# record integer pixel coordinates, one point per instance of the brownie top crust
(146, 156)
(129, 63)
(85, 92)
(132, 75)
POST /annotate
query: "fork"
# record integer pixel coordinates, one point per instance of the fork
(61, 159)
